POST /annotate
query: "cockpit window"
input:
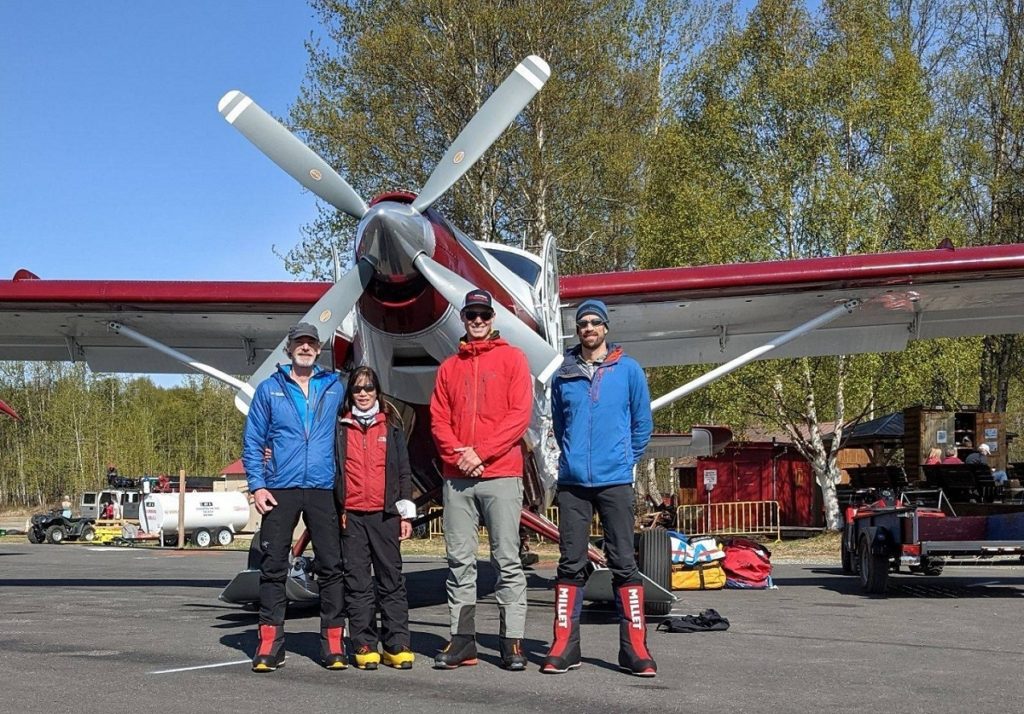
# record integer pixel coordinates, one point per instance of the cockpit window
(522, 266)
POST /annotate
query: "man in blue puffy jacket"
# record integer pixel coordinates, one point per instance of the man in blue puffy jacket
(601, 408)
(292, 416)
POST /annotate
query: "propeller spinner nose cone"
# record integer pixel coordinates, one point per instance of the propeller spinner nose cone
(391, 235)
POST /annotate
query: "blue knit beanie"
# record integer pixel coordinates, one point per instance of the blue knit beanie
(592, 307)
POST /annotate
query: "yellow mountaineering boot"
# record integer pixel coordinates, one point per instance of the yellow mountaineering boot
(401, 658)
(367, 658)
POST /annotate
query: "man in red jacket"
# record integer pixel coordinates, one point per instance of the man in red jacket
(479, 412)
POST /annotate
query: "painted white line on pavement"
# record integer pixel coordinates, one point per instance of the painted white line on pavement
(202, 666)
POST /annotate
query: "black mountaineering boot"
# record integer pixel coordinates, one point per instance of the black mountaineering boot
(512, 657)
(459, 652)
(565, 643)
(270, 650)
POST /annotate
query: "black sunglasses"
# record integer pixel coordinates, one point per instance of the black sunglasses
(471, 315)
(360, 388)
(589, 323)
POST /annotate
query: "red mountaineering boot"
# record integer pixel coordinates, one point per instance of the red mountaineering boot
(332, 648)
(565, 643)
(270, 650)
(634, 656)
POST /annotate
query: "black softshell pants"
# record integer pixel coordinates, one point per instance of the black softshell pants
(318, 507)
(614, 506)
(371, 539)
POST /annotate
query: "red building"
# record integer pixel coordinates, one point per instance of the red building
(757, 471)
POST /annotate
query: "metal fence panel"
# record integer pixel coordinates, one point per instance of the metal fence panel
(730, 518)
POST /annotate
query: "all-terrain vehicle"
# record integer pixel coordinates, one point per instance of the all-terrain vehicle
(55, 527)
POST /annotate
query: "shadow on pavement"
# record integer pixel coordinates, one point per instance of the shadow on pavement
(907, 585)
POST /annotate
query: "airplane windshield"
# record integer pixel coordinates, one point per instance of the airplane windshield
(522, 266)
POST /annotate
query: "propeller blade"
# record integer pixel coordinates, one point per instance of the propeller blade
(486, 125)
(288, 152)
(327, 314)
(543, 358)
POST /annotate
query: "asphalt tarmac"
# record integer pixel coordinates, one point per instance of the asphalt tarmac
(106, 629)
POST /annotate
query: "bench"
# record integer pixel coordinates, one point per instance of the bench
(891, 477)
(962, 482)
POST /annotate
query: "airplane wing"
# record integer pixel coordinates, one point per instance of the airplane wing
(694, 315)
(712, 314)
(232, 326)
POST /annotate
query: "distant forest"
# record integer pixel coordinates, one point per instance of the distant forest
(75, 423)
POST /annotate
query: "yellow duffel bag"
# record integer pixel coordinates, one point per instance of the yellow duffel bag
(705, 576)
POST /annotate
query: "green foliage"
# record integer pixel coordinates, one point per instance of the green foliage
(392, 84)
(76, 423)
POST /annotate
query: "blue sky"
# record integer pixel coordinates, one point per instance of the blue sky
(114, 162)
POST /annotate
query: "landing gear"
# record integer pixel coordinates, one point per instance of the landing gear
(654, 558)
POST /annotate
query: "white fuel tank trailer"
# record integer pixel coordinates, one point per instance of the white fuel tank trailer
(211, 518)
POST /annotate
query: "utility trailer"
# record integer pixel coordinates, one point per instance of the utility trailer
(881, 537)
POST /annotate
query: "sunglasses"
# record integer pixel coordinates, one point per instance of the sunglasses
(589, 323)
(471, 315)
(360, 388)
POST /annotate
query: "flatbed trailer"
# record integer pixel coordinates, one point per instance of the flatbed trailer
(881, 537)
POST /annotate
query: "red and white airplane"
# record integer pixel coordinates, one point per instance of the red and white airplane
(397, 308)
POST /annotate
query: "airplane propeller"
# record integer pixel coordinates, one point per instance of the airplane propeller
(543, 358)
(310, 170)
(287, 151)
(327, 314)
(484, 128)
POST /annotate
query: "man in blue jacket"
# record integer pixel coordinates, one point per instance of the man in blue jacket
(601, 408)
(292, 416)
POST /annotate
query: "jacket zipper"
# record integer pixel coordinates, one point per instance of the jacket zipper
(476, 395)
(590, 413)
(317, 404)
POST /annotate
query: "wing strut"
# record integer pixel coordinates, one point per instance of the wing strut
(179, 356)
(724, 369)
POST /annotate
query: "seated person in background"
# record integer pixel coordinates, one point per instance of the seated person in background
(951, 457)
(981, 457)
(934, 457)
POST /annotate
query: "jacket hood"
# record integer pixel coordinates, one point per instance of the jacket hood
(476, 347)
(569, 364)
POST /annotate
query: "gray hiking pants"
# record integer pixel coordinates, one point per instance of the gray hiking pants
(499, 501)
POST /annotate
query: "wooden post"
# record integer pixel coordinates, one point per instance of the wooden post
(181, 508)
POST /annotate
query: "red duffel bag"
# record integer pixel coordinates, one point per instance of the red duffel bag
(747, 564)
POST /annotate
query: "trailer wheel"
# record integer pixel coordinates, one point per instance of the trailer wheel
(932, 566)
(655, 561)
(55, 534)
(225, 537)
(34, 537)
(874, 569)
(846, 557)
(202, 538)
(88, 534)
(170, 540)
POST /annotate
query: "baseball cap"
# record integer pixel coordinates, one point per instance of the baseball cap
(302, 329)
(478, 298)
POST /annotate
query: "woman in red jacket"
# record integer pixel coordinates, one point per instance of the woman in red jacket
(373, 488)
